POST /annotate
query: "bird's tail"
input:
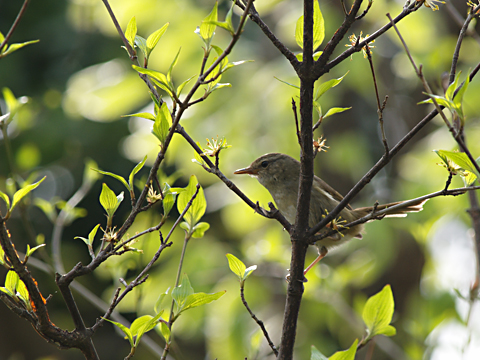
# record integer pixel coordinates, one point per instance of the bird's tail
(395, 209)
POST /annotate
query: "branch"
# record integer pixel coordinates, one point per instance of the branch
(380, 214)
(14, 25)
(259, 322)
(255, 17)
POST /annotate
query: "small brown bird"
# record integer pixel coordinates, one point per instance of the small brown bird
(279, 174)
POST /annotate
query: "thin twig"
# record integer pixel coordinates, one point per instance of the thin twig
(380, 214)
(380, 107)
(259, 322)
(295, 115)
(14, 25)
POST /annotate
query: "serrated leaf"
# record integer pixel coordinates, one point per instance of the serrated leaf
(327, 85)
(125, 330)
(163, 122)
(378, 312)
(199, 229)
(131, 31)
(153, 38)
(182, 291)
(23, 192)
(143, 115)
(198, 299)
(236, 265)
(346, 354)
(199, 204)
(115, 176)
(135, 170)
(317, 355)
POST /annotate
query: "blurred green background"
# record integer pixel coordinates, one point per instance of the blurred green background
(79, 82)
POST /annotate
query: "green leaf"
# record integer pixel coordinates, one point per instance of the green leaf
(24, 191)
(335, 110)
(32, 250)
(2, 254)
(168, 202)
(198, 299)
(141, 42)
(135, 170)
(346, 354)
(318, 26)
(109, 200)
(199, 204)
(10, 100)
(11, 282)
(131, 31)
(139, 323)
(199, 230)
(165, 331)
(47, 207)
(14, 47)
(157, 77)
(23, 294)
(144, 115)
(317, 355)
(182, 291)
(299, 32)
(91, 236)
(126, 331)
(170, 69)
(149, 325)
(115, 176)
(159, 301)
(5, 198)
(163, 122)
(294, 86)
(378, 312)
(467, 170)
(89, 175)
(236, 265)
(207, 29)
(182, 85)
(327, 85)
(152, 40)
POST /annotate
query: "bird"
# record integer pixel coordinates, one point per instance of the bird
(280, 173)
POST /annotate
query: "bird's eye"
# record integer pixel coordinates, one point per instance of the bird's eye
(264, 164)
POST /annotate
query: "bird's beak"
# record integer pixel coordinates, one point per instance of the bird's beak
(247, 170)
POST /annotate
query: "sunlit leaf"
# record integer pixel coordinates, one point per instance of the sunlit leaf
(207, 29)
(131, 31)
(23, 192)
(378, 313)
(144, 115)
(153, 38)
(163, 122)
(182, 291)
(346, 354)
(317, 355)
(125, 330)
(199, 204)
(327, 85)
(199, 299)
(135, 170)
(115, 176)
